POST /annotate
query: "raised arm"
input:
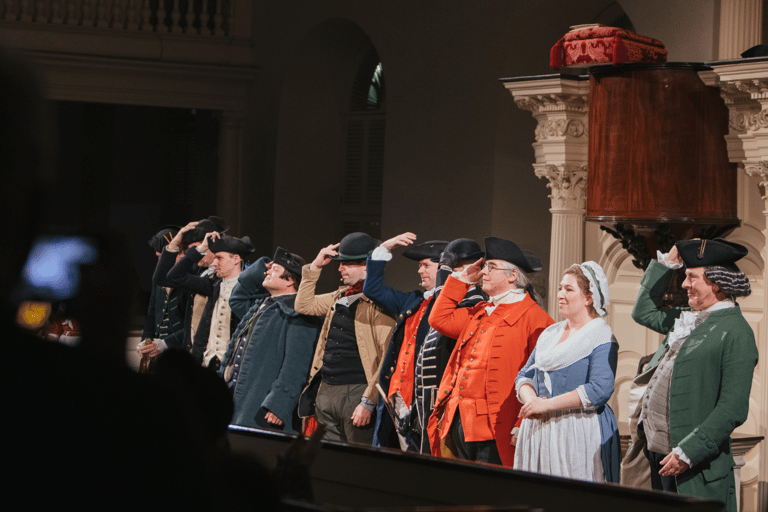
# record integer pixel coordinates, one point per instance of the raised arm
(180, 277)
(384, 296)
(307, 303)
(649, 311)
(249, 287)
(446, 317)
(168, 257)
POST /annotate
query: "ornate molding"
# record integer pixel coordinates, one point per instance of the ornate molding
(743, 122)
(565, 102)
(568, 185)
(756, 88)
(547, 128)
(760, 170)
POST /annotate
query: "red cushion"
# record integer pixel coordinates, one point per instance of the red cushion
(598, 44)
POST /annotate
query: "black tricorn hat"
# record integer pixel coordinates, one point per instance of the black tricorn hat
(705, 253)
(205, 226)
(356, 246)
(163, 237)
(290, 261)
(226, 243)
(465, 249)
(759, 50)
(500, 249)
(431, 250)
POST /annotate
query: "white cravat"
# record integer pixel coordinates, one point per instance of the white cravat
(508, 297)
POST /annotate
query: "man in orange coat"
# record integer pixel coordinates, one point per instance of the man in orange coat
(476, 407)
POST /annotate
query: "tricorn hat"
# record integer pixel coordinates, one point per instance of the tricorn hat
(290, 261)
(501, 249)
(163, 237)
(355, 247)
(226, 243)
(430, 250)
(205, 226)
(465, 249)
(705, 253)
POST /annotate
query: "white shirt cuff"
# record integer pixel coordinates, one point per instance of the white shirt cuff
(586, 403)
(381, 254)
(683, 457)
(368, 404)
(663, 260)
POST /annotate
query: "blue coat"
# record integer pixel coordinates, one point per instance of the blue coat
(160, 278)
(403, 305)
(277, 357)
(161, 305)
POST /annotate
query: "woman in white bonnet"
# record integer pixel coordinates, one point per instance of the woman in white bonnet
(568, 429)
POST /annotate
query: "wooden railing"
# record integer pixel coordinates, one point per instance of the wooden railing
(211, 18)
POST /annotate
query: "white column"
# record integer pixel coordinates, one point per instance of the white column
(744, 87)
(229, 184)
(560, 105)
(740, 27)
(761, 169)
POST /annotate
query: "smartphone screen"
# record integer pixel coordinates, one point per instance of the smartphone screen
(52, 270)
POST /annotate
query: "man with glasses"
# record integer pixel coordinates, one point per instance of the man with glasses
(476, 407)
(342, 380)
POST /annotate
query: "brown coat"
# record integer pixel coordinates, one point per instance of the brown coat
(373, 328)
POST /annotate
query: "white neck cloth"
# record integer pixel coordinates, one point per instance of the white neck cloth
(551, 356)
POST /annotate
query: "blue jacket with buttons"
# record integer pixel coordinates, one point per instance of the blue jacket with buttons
(276, 360)
(402, 305)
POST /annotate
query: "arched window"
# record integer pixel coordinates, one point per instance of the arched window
(364, 152)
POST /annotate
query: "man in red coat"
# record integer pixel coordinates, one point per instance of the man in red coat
(476, 407)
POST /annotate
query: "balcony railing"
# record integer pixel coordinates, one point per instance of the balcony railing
(211, 18)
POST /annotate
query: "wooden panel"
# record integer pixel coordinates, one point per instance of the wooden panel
(369, 478)
(656, 146)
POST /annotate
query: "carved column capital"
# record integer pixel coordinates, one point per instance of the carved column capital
(568, 185)
(558, 115)
(744, 87)
(561, 109)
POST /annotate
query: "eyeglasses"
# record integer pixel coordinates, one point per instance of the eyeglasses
(490, 267)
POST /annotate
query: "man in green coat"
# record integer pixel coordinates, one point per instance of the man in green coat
(699, 392)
